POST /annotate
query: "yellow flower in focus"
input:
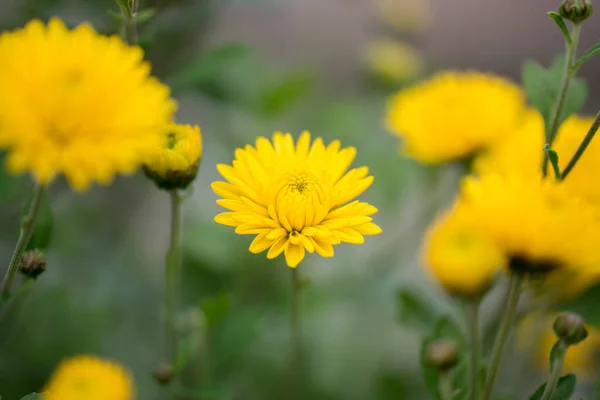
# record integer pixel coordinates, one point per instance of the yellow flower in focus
(535, 332)
(89, 378)
(77, 103)
(453, 115)
(392, 60)
(174, 163)
(295, 197)
(538, 224)
(464, 261)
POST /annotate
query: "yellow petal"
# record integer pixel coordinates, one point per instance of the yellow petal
(368, 229)
(294, 253)
(260, 243)
(323, 248)
(226, 218)
(277, 248)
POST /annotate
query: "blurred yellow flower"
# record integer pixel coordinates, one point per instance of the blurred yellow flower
(463, 260)
(295, 197)
(535, 332)
(174, 163)
(89, 378)
(454, 115)
(393, 60)
(534, 222)
(77, 103)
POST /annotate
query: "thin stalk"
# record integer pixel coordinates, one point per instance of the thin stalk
(173, 280)
(567, 77)
(473, 326)
(130, 33)
(555, 370)
(446, 390)
(296, 335)
(582, 147)
(25, 234)
(512, 300)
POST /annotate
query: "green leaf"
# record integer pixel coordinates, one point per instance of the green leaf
(585, 304)
(561, 24)
(124, 6)
(591, 52)
(596, 395)
(145, 15)
(216, 308)
(542, 87)
(281, 95)
(564, 389)
(553, 157)
(33, 396)
(44, 225)
(208, 68)
(415, 311)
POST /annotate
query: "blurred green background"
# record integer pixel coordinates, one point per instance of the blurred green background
(240, 69)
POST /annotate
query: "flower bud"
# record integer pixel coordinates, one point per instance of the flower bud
(33, 263)
(163, 374)
(174, 163)
(570, 328)
(575, 11)
(441, 355)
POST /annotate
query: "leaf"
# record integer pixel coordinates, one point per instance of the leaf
(564, 389)
(414, 310)
(124, 6)
(33, 396)
(561, 24)
(145, 15)
(279, 96)
(44, 225)
(216, 308)
(596, 395)
(542, 87)
(586, 305)
(206, 69)
(553, 157)
(591, 52)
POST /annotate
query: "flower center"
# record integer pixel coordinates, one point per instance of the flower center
(300, 198)
(171, 140)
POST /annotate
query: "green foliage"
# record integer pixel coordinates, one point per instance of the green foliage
(145, 15)
(415, 311)
(216, 308)
(543, 85)
(561, 24)
(553, 157)
(276, 97)
(446, 328)
(591, 52)
(32, 396)
(44, 225)
(564, 389)
(596, 395)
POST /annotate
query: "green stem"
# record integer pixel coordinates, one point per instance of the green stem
(555, 370)
(583, 146)
(473, 324)
(296, 334)
(25, 234)
(512, 301)
(446, 391)
(130, 33)
(173, 280)
(567, 77)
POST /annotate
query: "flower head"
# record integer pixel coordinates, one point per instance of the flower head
(392, 60)
(89, 378)
(77, 103)
(534, 222)
(463, 260)
(295, 197)
(174, 162)
(444, 118)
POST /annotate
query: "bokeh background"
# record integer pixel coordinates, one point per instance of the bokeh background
(240, 69)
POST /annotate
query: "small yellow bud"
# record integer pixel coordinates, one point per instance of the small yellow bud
(174, 163)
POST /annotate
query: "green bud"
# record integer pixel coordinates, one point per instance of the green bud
(570, 328)
(575, 11)
(172, 179)
(33, 263)
(163, 374)
(441, 355)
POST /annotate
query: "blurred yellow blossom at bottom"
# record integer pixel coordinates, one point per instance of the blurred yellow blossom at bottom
(89, 378)
(392, 60)
(534, 333)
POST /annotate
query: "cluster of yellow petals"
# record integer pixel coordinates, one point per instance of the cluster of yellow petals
(295, 197)
(175, 160)
(89, 378)
(77, 103)
(453, 115)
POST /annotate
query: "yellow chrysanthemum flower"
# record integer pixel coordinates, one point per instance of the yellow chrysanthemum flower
(89, 378)
(393, 60)
(444, 118)
(295, 197)
(522, 153)
(463, 260)
(535, 332)
(533, 221)
(77, 103)
(174, 163)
